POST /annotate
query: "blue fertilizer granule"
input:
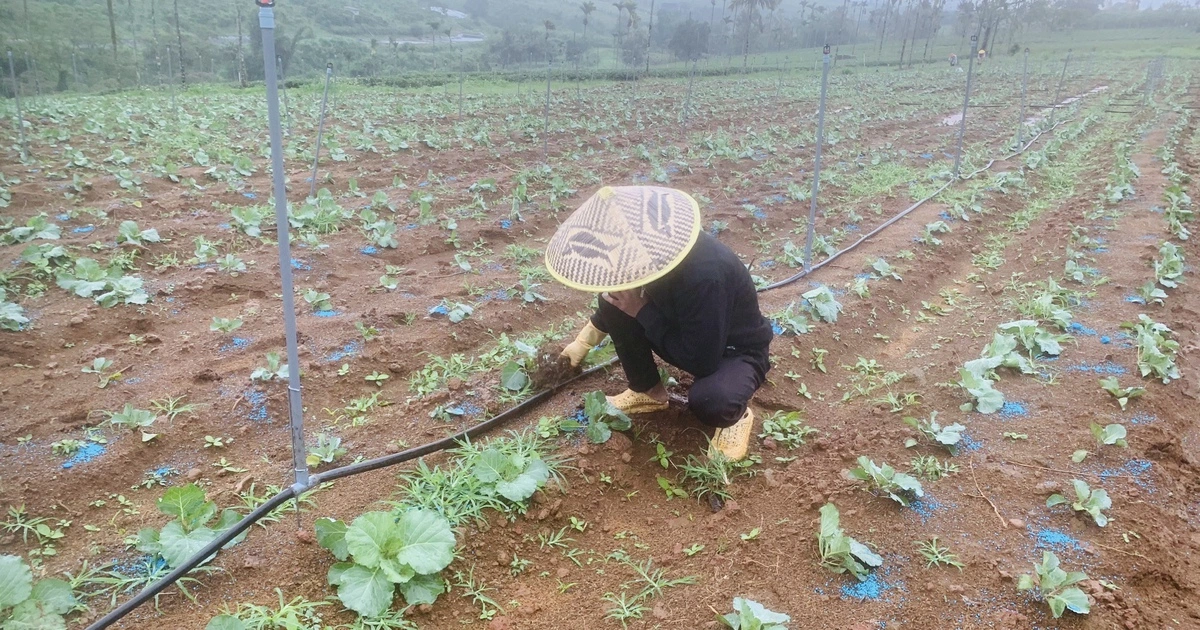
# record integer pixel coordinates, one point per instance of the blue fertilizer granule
(926, 156)
(411, 226)
(1142, 417)
(250, 195)
(1105, 339)
(352, 348)
(300, 265)
(776, 328)
(1106, 367)
(237, 343)
(131, 381)
(497, 294)
(505, 224)
(1013, 409)
(85, 454)
(440, 309)
(1133, 468)
(758, 213)
(1135, 299)
(852, 227)
(1054, 539)
(258, 405)
(327, 313)
(767, 264)
(873, 588)
(1078, 328)
(471, 409)
(83, 229)
(926, 507)
(63, 217)
(967, 443)
(369, 250)
(224, 226)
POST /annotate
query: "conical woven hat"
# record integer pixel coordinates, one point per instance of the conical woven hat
(624, 237)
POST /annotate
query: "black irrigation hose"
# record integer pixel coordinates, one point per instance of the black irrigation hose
(337, 473)
(901, 215)
(439, 445)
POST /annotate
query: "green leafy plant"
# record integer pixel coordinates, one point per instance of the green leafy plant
(947, 437)
(1109, 435)
(841, 553)
(937, 555)
(12, 315)
(822, 305)
(786, 428)
(1092, 501)
(1056, 586)
(326, 450)
(130, 417)
(380, 551)
(195, 523)
(25, 604)
(1169, 266)
(510, 471)
(129, 233)
(275, 369)
(1156, 349)
(791, 321)
(225, 324)
(317, 300)
(885, 481)
(750, 615)
(602, 418)
(1123, 395)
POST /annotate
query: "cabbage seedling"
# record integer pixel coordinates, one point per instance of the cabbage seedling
(841, 553)
(1086, 500)
(1056, 586)
(885, 481)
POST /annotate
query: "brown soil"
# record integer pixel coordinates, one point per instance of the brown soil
(991, 513)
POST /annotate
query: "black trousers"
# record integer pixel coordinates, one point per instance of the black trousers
(718, 399)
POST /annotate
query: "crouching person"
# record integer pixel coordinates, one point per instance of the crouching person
(670, 289)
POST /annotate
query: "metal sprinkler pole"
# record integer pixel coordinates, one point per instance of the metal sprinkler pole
(171, 80)
(962, 124)
(687, 102)
(1024, 91)
(12, 72)
(816, 186)
(266, 22)
(546, 123)
(1058, 91)
(312, 192)
(461, 69)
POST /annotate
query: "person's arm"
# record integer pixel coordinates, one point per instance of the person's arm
(697, 341)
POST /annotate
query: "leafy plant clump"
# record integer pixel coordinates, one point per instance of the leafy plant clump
(602, 418)
(947, 437)
(822, 305)
(1109, 435)
(12, 315)
(841, 553)
(25, 604)
(786, 429)
(193, 526)
(750, 615)
(885, 481)
(1086, 500)
(1156, 349)
(379, 552)
(1122, 394)
(1056, 586)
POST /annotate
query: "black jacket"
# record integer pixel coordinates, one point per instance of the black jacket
(705, 309)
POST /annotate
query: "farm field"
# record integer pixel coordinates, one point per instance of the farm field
(142, 339)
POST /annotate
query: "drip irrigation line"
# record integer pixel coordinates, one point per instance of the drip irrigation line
(337, 473)
(901, 215)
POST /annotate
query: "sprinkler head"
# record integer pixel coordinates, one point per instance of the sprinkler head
(266, 4)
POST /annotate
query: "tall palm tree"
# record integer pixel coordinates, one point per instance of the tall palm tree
(752, 14)
(587, 8)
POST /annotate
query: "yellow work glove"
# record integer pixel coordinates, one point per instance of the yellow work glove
(588, 338)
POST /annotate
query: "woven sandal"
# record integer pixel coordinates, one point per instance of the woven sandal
(734, 442)
(630, 401)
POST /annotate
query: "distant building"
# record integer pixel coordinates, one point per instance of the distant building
(458, 15)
